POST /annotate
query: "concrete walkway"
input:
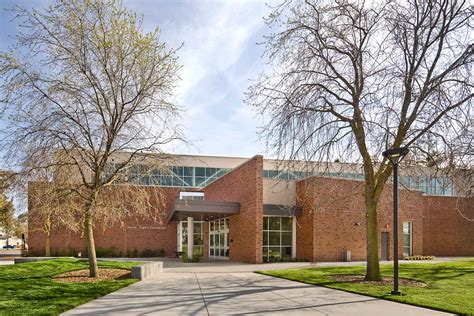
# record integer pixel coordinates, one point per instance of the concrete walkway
(7, 256)
(243, 293)
(176, 265)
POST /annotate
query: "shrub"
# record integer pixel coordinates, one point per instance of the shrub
(186, 259)
(147, 253)
(106, 252)
(420, 258)
(63, 252)
(32, 253)
(161, 252)
(275, 259)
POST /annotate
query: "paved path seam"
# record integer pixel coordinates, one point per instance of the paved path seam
(287, 298)
(202, 295)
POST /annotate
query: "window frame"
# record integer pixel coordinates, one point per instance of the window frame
(183, 242)
(191, 195)
(266, 232)
(410, 234)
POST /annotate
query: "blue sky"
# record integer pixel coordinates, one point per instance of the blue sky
(219, 57)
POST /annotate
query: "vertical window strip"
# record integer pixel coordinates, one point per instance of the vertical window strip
(407, 239)
(271, 232)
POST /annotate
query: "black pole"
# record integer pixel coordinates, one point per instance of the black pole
(395, 231)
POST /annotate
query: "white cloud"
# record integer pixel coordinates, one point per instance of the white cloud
(219, 56)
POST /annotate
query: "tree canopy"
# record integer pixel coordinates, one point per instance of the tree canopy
(350, 79)
(87, 94)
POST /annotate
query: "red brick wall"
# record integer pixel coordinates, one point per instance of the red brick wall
(243, 184)
(339, 221)
(133, 234)
(305, 232)
(332, 210)
(449, 226)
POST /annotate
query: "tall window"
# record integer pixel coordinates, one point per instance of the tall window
(197, 236)
(407, 251)
(277, 237)
(219, 238)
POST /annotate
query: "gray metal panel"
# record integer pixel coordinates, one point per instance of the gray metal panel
(281, 210)
(200, 209)
(206, 205)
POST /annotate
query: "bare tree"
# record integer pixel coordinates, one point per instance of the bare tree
(21, 227)
(57, 206)
(83, 85)
(351, 79)
(7, 216)
(49, 209)
(7, 210)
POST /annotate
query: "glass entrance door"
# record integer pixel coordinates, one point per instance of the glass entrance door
(219, 239)
(182, 232)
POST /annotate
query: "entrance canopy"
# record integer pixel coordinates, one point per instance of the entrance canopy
(202, 210)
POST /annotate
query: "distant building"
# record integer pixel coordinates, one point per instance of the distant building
(9, 240)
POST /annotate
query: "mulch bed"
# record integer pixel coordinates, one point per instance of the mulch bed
(83, 275)
(385, 280)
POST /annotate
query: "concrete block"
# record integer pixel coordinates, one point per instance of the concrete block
(33, 259)
(147, 270)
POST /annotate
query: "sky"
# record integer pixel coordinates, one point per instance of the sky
(219, 57)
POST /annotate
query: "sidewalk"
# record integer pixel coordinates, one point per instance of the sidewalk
(7, 256)
(215, 266)
(240, 293)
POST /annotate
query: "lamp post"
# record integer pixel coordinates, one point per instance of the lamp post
(395, 155)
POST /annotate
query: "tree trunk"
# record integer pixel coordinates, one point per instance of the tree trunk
(90, 244)
(47, 245)
(373, 266)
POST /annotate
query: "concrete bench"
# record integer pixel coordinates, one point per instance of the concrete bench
(147, 270)
(34, 259)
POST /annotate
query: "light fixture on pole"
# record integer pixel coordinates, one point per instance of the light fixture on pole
(395, 155)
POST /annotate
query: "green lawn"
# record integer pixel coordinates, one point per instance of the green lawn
(28, 288)
(450, 285)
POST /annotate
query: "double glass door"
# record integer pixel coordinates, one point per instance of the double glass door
(197, 237)
(219, 239)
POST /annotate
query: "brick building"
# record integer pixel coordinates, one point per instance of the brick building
(247, 210)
